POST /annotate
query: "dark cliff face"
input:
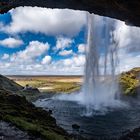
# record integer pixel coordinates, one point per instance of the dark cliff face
(126, 10)
(8, 84)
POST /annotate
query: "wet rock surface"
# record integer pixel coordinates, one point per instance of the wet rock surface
(132, 135)
(126, 10)
(10, 132)
(75, 126)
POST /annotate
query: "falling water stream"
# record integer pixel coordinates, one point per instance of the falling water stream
(100, 83)
(100, 86)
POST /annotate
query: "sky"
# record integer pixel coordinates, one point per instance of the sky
(41, 41)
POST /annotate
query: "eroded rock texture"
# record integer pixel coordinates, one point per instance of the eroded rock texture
(126, 10)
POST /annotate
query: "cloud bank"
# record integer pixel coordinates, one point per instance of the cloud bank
(47, 21)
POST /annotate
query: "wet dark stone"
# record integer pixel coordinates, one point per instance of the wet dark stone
(126, 10)
(10, 132)
(75, 126)
(81, 131)
(50, 111)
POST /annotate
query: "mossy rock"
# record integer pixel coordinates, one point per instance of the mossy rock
(18, 111)
(129, 81)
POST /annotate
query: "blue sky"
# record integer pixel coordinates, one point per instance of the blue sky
(52, 41)
(36, 43)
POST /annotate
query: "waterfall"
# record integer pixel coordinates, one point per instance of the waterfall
(100, 83)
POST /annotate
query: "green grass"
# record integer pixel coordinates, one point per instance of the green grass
(129, 81)
(34, 83)
(65, 87)
(33, 128)
(55, 86)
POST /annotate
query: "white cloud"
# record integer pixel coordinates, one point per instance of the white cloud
(46, 60)
(46, 21)
(81, 48)
(5, 56)
(68, 62)
(76, 61)
(65, 52)
(127, 36)
(63, 43)
(129, 61)
(71, 66)
(32, 51)
(79, 60)
(25, 61)
(11, 42)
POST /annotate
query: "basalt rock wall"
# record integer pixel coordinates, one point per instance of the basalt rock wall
(126, 10)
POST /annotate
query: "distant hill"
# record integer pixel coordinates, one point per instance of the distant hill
(8, 84)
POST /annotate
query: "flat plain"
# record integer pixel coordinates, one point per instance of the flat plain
(53, 84)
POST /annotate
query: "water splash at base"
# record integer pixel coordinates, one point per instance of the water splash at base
(100, 87)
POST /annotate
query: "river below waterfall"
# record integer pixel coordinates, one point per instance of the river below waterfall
(110, 124)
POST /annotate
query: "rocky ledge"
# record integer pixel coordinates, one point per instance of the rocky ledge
(126, 10)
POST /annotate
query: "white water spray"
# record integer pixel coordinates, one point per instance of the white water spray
(100, 84)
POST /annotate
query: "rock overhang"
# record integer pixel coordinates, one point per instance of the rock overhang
(128, 11)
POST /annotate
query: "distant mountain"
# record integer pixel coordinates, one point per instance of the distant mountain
(8, 84)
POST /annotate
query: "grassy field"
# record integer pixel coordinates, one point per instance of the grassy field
(55, 84)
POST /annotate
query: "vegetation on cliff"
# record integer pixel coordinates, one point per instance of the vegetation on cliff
(130, 81)
(18, 111)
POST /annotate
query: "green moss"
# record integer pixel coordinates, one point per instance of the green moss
(129, 82)
(33, 128)
(52, 136)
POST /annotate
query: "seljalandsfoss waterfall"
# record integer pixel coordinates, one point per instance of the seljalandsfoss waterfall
(100, 89)
(100, 82)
